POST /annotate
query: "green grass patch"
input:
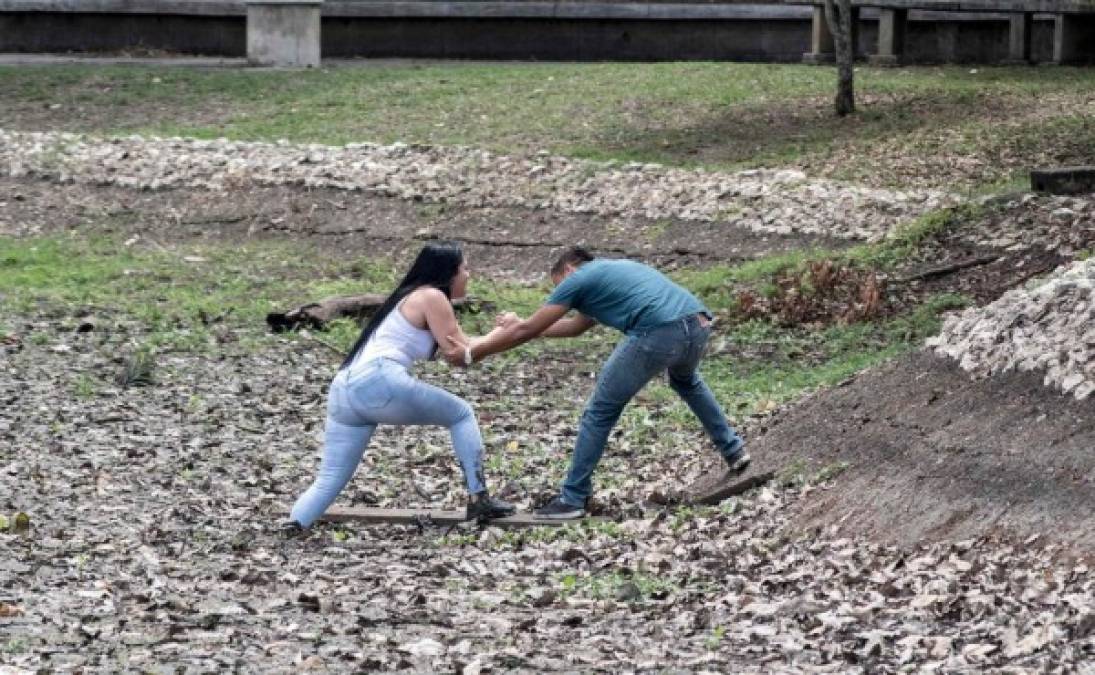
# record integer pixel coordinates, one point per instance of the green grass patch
(763, 363)
(908, 238)
(712, 284)
(720, 115)
(179, 297)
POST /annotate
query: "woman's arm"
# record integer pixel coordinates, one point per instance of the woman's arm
(446, 330)
(442, 323)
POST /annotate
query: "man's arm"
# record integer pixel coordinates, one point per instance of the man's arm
(569, 327)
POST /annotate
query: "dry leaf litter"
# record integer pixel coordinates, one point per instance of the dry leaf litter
(151, 544)
(766, 201)
(1047, 326)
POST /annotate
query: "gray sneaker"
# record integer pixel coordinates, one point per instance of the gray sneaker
(557, 509)
(739, 462)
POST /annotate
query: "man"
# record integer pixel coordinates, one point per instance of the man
(667, 330)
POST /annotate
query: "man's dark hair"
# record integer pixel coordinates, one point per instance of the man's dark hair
(575, 255)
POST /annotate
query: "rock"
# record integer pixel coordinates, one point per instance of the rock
(1049, 222)
(423, 647)
(628, 592)
(1063, 214)
(542, 597)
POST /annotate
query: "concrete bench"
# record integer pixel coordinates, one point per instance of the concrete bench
(1073, 35)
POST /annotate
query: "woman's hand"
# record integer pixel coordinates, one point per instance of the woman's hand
(459, 347)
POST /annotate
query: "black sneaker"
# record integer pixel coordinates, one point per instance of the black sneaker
(484, 507)
(290, 529)
(739, 462)
(557, 509)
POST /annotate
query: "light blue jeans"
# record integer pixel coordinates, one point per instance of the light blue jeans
(383, 392)
(675, 349)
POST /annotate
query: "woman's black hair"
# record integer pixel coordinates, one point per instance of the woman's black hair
(435, 266)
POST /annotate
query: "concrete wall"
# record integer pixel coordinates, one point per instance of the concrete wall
(782, 36)
(569, 39)
(65, 32)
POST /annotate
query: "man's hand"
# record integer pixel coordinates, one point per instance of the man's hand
(506, 320)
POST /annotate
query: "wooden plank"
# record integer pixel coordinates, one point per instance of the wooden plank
(373, 515)
(445, 517)
(718, 493)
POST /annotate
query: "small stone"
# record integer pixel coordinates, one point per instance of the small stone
(1063, 214)
(628, 592)
(542, 597)
(1084, 391)
(1071, 382)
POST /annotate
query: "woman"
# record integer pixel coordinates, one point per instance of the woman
(374, 385)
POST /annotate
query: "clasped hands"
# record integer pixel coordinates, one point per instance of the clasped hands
(502, 322)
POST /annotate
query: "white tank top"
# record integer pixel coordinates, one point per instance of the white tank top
(397, 339)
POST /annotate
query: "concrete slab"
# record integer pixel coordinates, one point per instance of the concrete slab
(45, 60)
(1065, 180)
(514, 8)
(171, 7)
(972, 31)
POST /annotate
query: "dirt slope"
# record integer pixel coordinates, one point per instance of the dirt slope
(933, 454)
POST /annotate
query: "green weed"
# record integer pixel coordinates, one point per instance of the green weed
(85, 386)
(615, 585)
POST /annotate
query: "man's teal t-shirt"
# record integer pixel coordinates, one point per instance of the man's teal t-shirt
(624, 294)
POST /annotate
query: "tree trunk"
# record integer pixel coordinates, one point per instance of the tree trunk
(838, 14)
(316, 315)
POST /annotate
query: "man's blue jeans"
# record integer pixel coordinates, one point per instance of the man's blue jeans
(383, 392)
(674, 348)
